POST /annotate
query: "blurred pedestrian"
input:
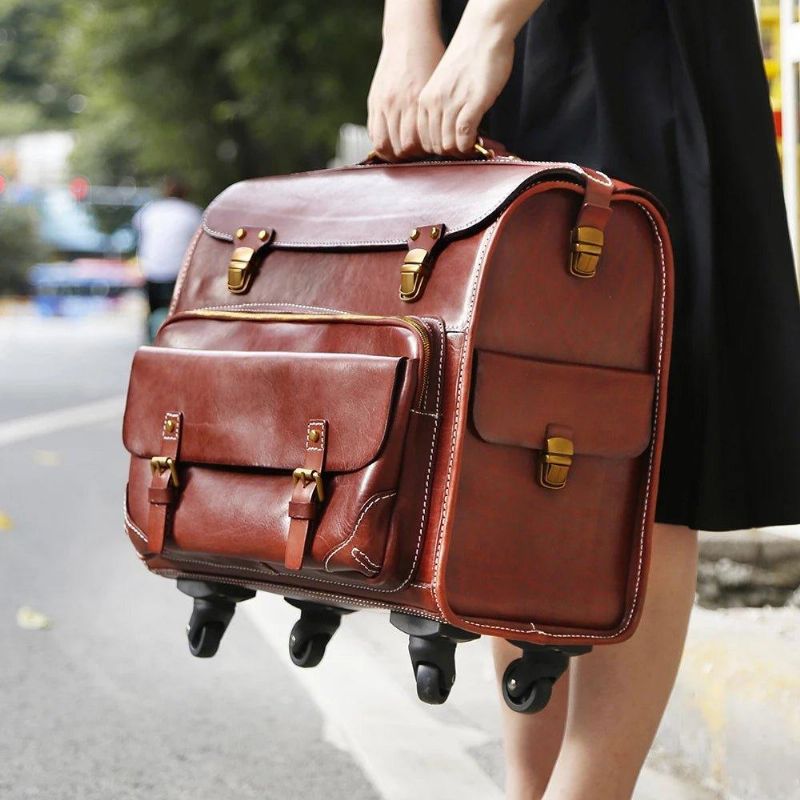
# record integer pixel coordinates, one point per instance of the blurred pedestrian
(165, 227)
(669, 95)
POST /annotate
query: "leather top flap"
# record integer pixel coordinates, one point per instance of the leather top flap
(252, 409)
(609, 410)
(375, 205)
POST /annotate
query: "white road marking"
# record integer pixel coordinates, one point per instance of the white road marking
(402, 747)
(16, 430)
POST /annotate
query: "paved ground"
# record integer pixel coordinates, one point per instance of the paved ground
(107, 702)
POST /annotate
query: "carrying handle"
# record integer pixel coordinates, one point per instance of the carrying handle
(483, 150)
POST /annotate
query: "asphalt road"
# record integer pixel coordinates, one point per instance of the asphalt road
(107, 702)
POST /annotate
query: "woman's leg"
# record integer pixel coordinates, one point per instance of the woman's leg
(618, 693)
(532, 742)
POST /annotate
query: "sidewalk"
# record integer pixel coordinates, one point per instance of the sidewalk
(734, 719)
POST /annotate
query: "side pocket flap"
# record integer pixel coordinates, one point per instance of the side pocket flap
(610, 410)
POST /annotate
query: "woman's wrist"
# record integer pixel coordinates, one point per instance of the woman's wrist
(406, 20)
(498, 21)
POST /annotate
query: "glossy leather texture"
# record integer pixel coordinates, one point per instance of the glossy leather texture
(340, 444)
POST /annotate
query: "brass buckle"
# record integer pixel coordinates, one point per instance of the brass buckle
(555, 461)
(587, 247)
(308, 475)
(160, 463)
(413, 274)
(240, 272)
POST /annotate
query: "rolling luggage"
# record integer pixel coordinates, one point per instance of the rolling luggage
(436, 388)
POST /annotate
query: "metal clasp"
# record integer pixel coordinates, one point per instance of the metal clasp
(308, 475)
(587, 247)
(240, 273)
(160, 463)
(555, 461)
(413, 274)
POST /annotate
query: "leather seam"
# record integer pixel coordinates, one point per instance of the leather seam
(244, 306)
(183, 560)
(366, 603)
(480, 262)
(376, 498)
(357, 555)
(129, 523)
(187, 260)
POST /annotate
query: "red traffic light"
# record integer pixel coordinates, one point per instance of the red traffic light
(79, 188)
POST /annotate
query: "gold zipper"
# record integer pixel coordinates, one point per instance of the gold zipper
(425, 339)
(414, 323)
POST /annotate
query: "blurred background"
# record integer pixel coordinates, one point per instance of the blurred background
(100, 100)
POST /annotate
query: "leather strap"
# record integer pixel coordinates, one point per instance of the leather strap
(304, 505)
(596, 209)
(161, 493)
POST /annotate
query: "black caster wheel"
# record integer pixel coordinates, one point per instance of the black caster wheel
(312, 632)
(430, 685)
(525, 696)
(306, 651)
(204, 641)
(213, 609)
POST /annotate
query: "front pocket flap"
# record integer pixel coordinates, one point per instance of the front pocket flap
(252, 409)
(609, 410)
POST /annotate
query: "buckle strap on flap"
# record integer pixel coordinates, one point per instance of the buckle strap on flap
(307, 494)
(164, 482)
(246, 254)
(422, 245)
(588, 235)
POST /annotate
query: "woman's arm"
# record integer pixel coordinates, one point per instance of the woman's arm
(425, 100)
(412, 47)
(471, 74)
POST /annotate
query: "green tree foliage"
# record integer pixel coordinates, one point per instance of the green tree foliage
(31, 94)
(213, 90)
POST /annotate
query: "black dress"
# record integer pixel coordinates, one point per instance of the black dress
(671, 95)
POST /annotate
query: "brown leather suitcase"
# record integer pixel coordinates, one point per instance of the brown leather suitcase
(436, 388)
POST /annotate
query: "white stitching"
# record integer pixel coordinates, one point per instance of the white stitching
(425, 414)
(244, 306)
(416, 612)
(374, 499)
(480, 261)
(184, 269)
(637, 586)
(176, 418)
(356, 553)
(172, 557)
(535, 177)
(130, 523)
(319, 426)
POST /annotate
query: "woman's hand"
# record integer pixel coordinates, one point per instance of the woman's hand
(426, 100)
(464, 85)
(409, 56)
